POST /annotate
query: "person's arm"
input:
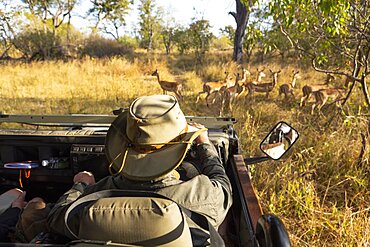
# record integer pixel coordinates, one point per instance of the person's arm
(211, 166)
(210, 163)
(55, 218)
(9, 218)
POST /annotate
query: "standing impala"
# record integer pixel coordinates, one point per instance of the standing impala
(322, 96)
(232, 93)
(246, 75)
(169, 86)
(211, 87)
(260, 75)
(289, 88)
(263, 87)
(307, 90)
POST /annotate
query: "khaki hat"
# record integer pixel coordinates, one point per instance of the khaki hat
(150, 140)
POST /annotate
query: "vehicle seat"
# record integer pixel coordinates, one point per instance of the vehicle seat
(139, 221)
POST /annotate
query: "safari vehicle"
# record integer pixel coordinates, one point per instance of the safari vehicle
(42, 153)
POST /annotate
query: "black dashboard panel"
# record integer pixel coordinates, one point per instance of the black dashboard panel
(77, 149)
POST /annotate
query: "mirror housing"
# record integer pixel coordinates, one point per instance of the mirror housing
(280, 139)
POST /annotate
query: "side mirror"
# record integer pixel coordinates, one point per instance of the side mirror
(280, 139)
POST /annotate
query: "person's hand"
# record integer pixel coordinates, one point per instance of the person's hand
(20, 202)
(84, 177)
(203, 137)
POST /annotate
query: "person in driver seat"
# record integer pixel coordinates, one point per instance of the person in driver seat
(145, 145)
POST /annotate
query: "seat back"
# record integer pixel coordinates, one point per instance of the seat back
(143, 221)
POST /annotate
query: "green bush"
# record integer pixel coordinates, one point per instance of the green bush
(38, 44)
(96, 46)
(222, 43)
(129, 42)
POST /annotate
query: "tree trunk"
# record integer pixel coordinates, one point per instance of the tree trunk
(167, 44)
(241, 18)
(69, 27)
(150, 41)
(365, 90)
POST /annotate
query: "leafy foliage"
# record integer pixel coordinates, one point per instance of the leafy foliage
(221, 43)
(8, 20)
(197, 37)
(182, 40)
(201, 37)
(111, 15)
(168, 29)
(57, 10)
(149, 23)
(229, 31)
(129, 41)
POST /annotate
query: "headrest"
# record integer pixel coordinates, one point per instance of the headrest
(135, 220)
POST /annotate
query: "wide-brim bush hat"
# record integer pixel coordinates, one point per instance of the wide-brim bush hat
(150, 139)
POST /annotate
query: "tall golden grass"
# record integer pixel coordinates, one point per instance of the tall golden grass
(320, 189)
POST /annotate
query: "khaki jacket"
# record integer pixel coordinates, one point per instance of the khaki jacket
(208, 194)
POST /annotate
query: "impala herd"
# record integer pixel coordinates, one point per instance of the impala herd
(231, 89)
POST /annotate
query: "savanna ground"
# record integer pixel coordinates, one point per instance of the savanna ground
(320, 189)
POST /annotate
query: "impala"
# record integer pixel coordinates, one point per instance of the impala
(260, 75)
(263, 87)
(232, 93)
(307, 90)
(211, 87)
(246, 75)
(169, 86)
(289, 88)
(322, 96)
(348, 81)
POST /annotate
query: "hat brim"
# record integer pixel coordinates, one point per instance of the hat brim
(144, 166)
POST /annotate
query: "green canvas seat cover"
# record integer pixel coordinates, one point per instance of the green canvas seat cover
(144, 221)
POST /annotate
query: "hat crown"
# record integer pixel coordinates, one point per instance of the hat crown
(155, 119)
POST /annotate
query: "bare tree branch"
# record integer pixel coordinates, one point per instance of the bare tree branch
(233, 14)
(336, 72)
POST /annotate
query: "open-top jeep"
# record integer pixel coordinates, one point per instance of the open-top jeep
(41, 153)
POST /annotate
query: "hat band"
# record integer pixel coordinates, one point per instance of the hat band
(152, 148)
(156, 147)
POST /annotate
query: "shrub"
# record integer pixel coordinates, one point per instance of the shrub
(37, 44)
(223, 43)
(128, 41)
(96, 46)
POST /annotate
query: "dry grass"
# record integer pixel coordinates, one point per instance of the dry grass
(319, 189)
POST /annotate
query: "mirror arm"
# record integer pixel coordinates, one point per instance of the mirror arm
(255, 160)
